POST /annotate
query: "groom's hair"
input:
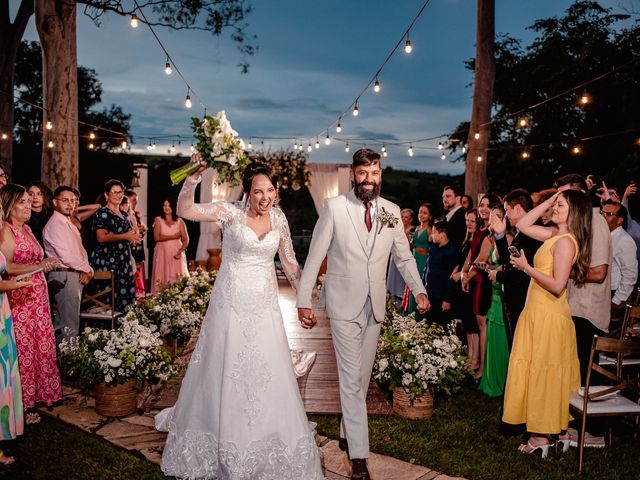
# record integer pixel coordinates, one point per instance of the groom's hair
(365, 156)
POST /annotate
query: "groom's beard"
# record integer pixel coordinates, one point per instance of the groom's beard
(365, 195)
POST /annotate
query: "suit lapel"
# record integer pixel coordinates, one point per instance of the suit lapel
(357, 219)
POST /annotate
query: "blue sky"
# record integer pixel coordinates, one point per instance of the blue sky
(313, 60)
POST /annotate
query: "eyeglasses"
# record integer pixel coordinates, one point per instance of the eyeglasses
(607, 214)
(117, 192)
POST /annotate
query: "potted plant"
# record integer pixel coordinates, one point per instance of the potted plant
(414, 359)
(115, 362)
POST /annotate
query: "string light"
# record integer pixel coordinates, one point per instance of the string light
(134, 21)
(385, 153)
(50, 144)
(250, 145)
(167, 67)
(525, 154)
(92, 135)
(523, 122)
(4, 136)
(187, 100)
(317, 144)
(339, 127)
(479, 158)
(124, 144)
(173, 147)
(384, 148)
(346, 147)
(464, 149)
(443, 156)
(408, 48)
(356, 112)
(192, 148)
(576, 150)
(376, 86)
(91, 146)
(410, 150)
(153, 147)
(584, 98)
(295, 145)
(49, 125)
(476, 135)
(440, 146)
(149, 147)
(309, 148)
(327, 140)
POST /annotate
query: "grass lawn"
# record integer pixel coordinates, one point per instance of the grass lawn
(463, 438)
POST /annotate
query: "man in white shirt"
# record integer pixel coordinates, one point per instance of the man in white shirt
(62, 241)
(624, 270)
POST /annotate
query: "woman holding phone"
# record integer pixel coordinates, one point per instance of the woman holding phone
(30, 305)
(543, 367)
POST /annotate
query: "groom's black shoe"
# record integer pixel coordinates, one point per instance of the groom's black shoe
(359, 470)
(343, 445)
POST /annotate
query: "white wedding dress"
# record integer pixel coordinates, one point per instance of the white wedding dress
(239, 414)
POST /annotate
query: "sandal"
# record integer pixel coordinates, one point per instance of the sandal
(565, 441)
(5, 460)
(530, 448)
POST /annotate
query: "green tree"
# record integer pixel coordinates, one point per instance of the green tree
(586, 42)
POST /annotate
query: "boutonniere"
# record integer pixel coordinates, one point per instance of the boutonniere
(386, 219)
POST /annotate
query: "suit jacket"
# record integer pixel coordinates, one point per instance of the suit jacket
(515, 282)
(355, 272)
(458, 227)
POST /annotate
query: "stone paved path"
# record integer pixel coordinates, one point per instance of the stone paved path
(137, 433)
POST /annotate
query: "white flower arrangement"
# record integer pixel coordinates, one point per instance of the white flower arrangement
(133, 351)
(419, 357)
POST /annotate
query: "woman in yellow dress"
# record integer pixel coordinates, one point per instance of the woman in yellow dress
(543, 367)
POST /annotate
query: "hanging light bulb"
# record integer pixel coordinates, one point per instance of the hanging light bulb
(309, 148)
(385, 153)
(149, 147)
(250, 145)
(576, 150)
(153, 147)
(479, 158)
(48, 125)
(408, 48)
(50, 144)
(410, 150)
(464, 149)
(192, 148)
(355, 109)
(523, 122)
(376, 86)
(317, 143)
(92, 135)
(338, 127)
(525, 154)
(4, 136)
(476, 135)
(124, 144)
(443, 156)
(134, 21)
(167, 67)
(187, 101)
(295, 145)
(327, 140)
(173, 147)
(384, 148)
(584, 98)
(346, 147)
(91, 146)
(440, 146)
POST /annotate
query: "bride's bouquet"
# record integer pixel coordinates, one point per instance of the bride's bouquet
(219, 147)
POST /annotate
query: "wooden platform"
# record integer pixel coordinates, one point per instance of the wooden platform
(319, 389)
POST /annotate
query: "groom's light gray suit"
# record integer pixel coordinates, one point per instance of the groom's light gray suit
(355, 295)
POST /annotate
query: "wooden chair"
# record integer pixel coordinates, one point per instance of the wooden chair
(630, 328)
(607, 400)
(100, 305)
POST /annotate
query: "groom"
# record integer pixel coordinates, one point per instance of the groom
(357, 232)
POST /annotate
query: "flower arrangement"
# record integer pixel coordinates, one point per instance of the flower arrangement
(386, 219)
(289, 168)
(131, 352)
(419, 357)
(220, 148)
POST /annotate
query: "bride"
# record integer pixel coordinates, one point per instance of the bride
(239, 414)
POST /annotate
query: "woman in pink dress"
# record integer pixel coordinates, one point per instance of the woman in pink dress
(30, 305)
(172, 240)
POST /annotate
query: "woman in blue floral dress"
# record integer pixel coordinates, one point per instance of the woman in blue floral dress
(114, 235)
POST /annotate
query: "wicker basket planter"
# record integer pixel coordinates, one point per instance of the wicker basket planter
(420, 409)
(116, 400)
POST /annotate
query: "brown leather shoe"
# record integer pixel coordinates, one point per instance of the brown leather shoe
(359, 469)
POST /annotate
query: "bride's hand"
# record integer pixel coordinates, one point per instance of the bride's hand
(197, 159)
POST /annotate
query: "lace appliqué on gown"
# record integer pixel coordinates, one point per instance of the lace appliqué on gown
(251, 377)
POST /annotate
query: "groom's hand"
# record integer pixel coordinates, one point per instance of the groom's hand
(307, 320)
(422, 302)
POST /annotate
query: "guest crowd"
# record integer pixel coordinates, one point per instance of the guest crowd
(531, 278)
(50, 248)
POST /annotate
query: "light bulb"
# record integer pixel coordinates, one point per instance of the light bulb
(440, 146)
(338, 127)
(4, 136)
(522, 122)
(355, 110)
(124, 144)
(317, 143)
(443, 156)
(584, 99)
(49, 125)
(408, 48)
(50, 144)
(327, 141)
(309, 148)
(576, 150)
(149, 147)
(134, 20)
(385, 153)
(91, 146)
(376, 86)
(153, 147)
(410, 150)
(525, 154)
(479, 158)
(295, 145)
(464, 149)
(192, 148)
(346, 147)
(167, 68)
(384, 148)
(92, 135)
(187, 102)
(173, 147)
(476, 135)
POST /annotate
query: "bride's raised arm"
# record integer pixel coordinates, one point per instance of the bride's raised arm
(199, 212)
(285, 250)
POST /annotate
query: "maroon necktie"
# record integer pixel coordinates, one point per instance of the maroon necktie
(367, 215)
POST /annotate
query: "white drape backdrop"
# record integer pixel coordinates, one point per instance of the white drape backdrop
(328, 180)
(210, 192)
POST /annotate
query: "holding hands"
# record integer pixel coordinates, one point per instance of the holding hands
(306, 317)
(422, 303)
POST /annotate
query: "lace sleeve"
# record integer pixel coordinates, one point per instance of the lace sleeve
(219, 212)
(285, 250)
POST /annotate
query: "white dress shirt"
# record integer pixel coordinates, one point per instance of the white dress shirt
(624, 271)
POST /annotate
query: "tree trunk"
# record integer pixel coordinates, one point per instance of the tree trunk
(475, 180)
(56, 23)
(10, 37)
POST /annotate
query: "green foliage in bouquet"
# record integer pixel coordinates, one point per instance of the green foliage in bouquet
(419, 357)
(289, 168)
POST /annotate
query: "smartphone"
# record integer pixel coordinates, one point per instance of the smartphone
(24, 276)
(514, 251)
